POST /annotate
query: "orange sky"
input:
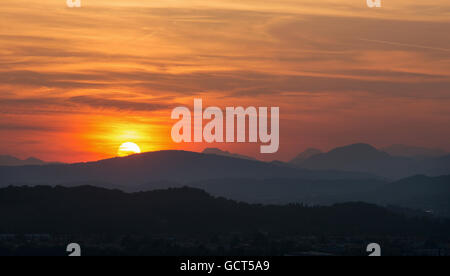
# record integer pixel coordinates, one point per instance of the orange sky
(76, 83)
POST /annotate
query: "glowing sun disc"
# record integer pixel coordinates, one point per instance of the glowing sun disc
(128, 148)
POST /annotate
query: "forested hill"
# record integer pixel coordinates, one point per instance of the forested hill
(90, 210)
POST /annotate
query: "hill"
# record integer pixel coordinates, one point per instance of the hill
(7, 160)
(299, 159)
(368, 159)
(284, 191)
(217, 151)
(429, 194)
(186, 211)
(178, 166)
(414, 152)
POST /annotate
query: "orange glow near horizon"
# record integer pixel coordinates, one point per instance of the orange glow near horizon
(75, 84)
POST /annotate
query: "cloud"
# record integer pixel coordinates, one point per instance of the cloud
(232, 83)
(97, 102)
(407, 45)
(26, 127)
(48, 79)
(70, 104)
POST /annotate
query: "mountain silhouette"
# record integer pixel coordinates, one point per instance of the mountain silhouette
(179, 166)
(285, 191)
(417, 192)
(366, 158)
(299, 159)
(7, 160)
(217, 151)
(412, 151)
(186, 211)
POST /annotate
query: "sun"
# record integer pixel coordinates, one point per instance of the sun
(128, 148)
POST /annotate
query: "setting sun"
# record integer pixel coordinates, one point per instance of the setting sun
(128, 149)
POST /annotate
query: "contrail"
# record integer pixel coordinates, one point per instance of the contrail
(406, 45)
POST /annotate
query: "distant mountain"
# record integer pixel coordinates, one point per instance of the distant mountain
(358, 157)
(305, 155)
(430, 194)
(190, 212)
(436, 166)
(285, 191)
(170, 166)
(427, 194)
(7, 160)
(220, 152)
(415, 152)
(366, 158)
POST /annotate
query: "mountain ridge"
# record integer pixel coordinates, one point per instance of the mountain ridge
(180, 166)
(306, 154)
(218, 151)
(366, 158)
(189, 211)
(8, 160)
(414, 151)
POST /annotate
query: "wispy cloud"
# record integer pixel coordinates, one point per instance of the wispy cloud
(407, 45)
(102, 103)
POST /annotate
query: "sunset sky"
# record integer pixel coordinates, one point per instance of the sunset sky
(77, 83)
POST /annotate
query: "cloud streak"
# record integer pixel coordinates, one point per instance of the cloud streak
(102, 103)
(407, 45)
